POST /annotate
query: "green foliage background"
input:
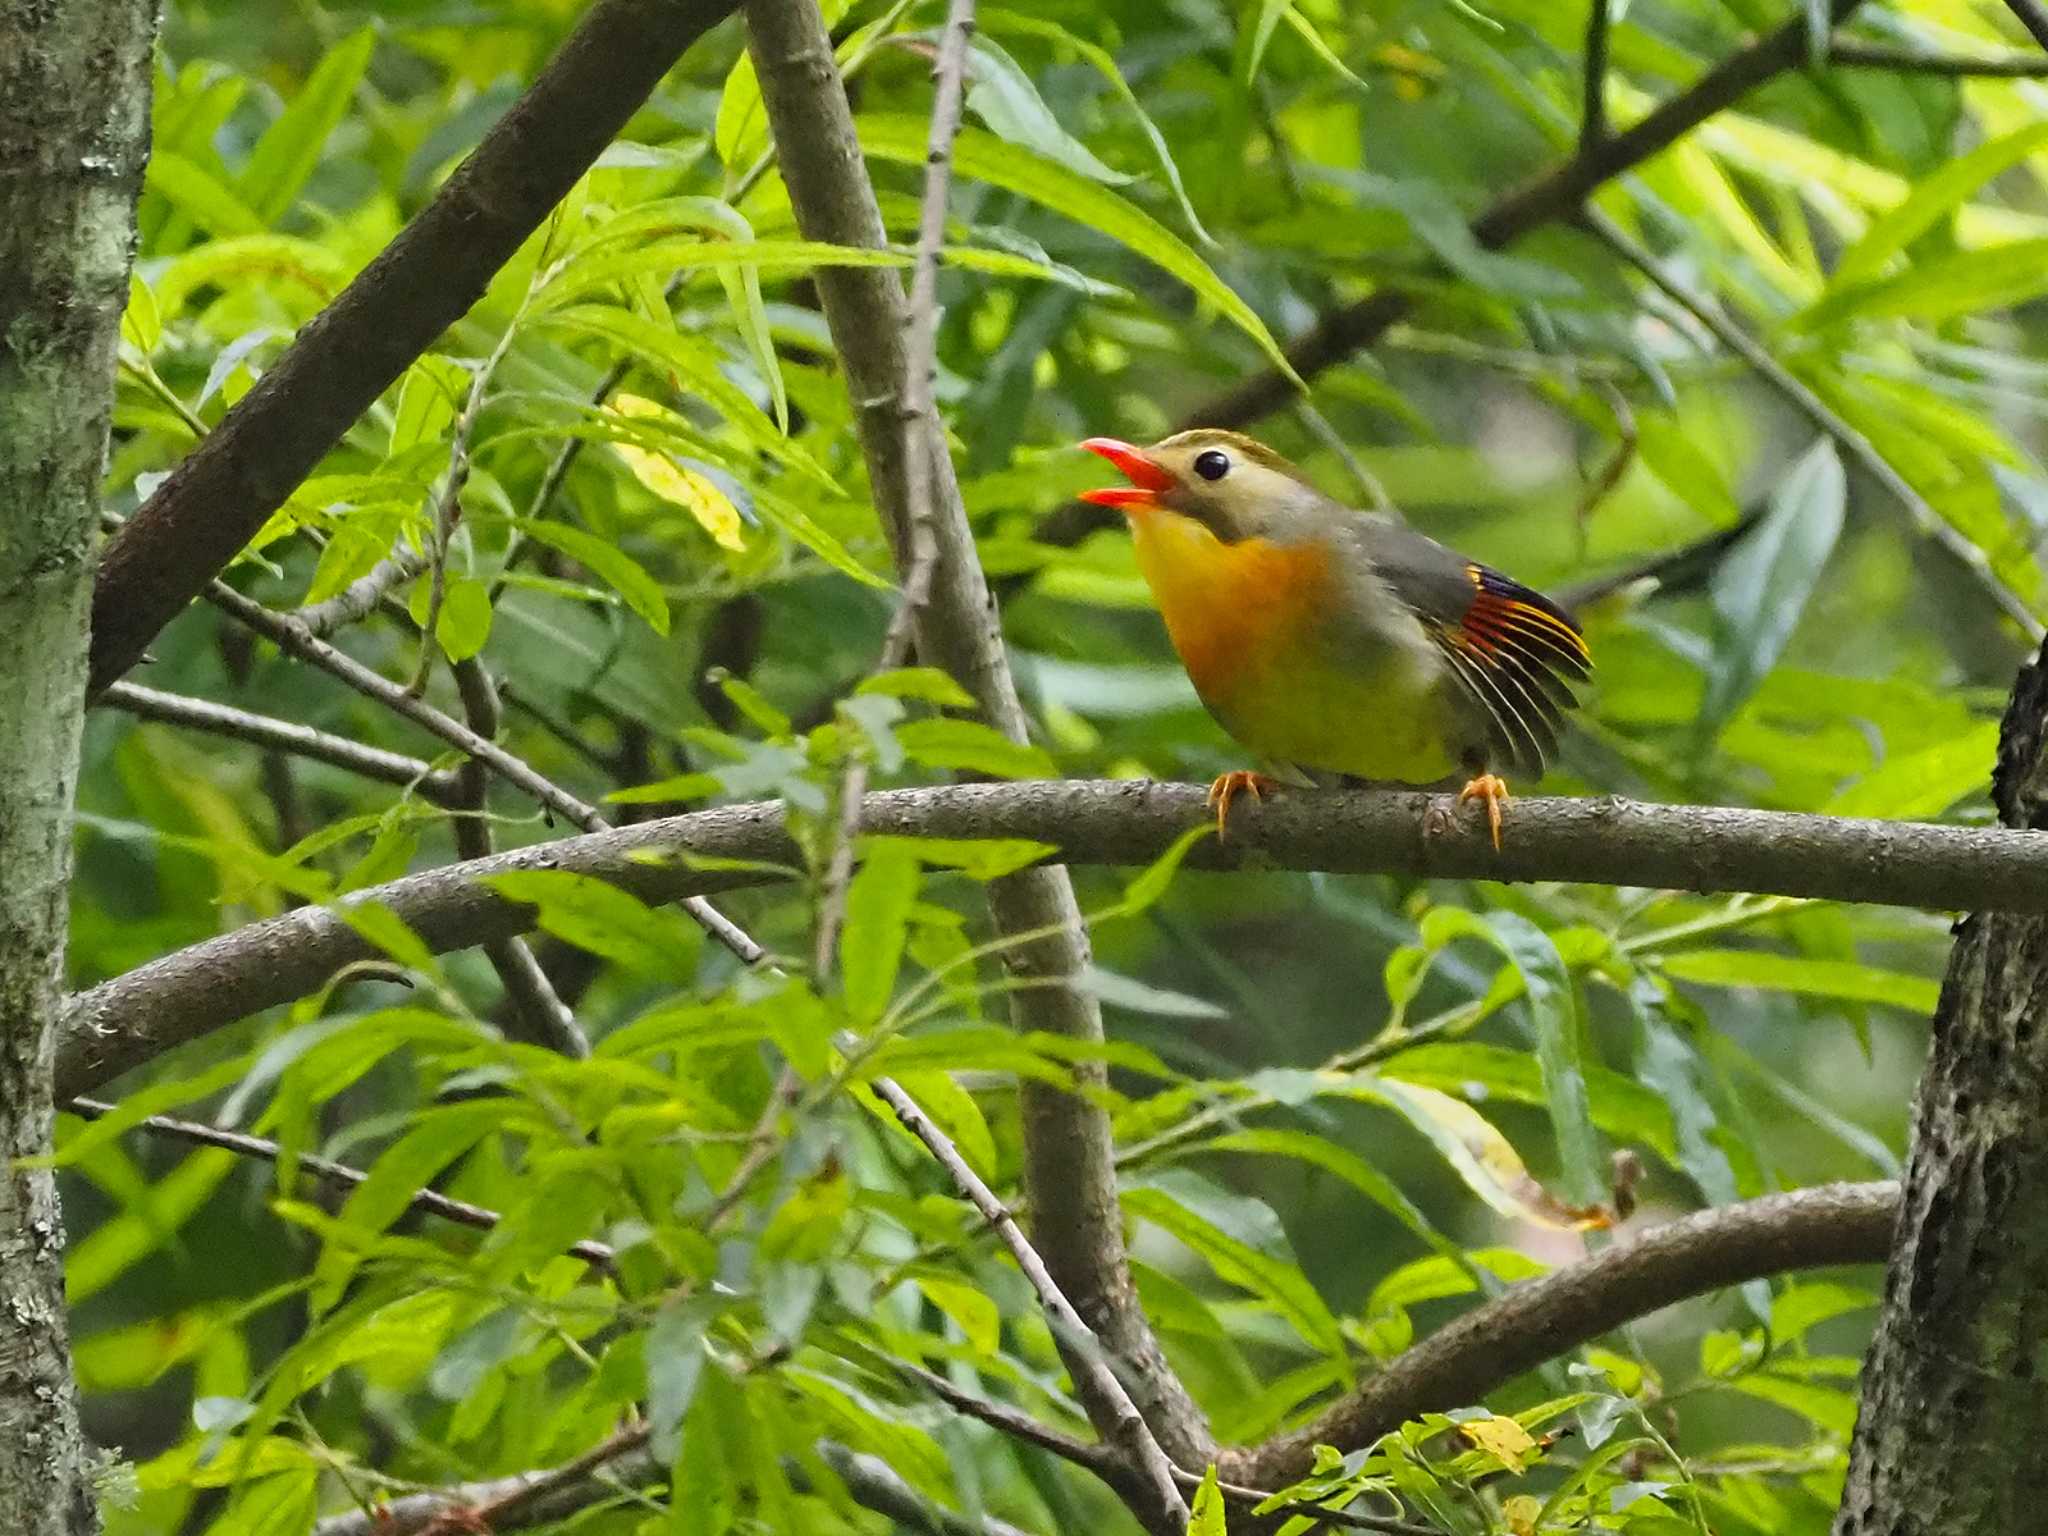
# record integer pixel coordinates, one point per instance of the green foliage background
(1149, 194)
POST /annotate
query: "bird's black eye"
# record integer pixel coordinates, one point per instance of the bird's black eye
(1213, 464)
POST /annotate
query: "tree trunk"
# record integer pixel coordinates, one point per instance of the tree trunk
(74, 132)
(1953, 1432)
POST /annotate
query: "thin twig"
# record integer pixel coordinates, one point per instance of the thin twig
(354, 601)
(1116, 1417)
(1593, 82)
(526, 1498)
(1911, 61)
(533, 997)
(286, 736)
(923, 437)
(291, 637)
(1607, 840)
(1709, 313)
(430, 1201)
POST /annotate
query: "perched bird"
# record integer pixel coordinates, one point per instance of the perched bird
(1336, 641)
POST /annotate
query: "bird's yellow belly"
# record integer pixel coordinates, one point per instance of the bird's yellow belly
(1246, 620)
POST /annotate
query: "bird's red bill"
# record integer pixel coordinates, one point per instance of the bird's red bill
(1147, 478)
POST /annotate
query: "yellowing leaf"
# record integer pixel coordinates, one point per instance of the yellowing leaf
(669, 480)
(1485, 1159)
(1502, 1439)
(1521, 1512)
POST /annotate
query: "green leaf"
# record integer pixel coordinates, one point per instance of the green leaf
(1004, 98)
(1932, 198)
(977, 858)
(1205, 1515)
(290, 147)
(596, 915)
(1134, 996)
(199, 195)
(675, 1363)
(1278, 1282)
(694, 363)
(1347, 1165)
(986, 158)
(1847, 980)
(1762, 586)
(464, 623)
(1962, 283)
(1553, 999)
(878, 903)
(930, 685)
(1913, 786)
(610, 564)
(1145, 891)
(384, 928)
(1623, 1108)
(974, 747)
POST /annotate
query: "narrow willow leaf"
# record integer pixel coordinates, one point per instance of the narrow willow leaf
(1152, 881)
(464, 622)
(977, 858)
(930, 685)
(1762, 586)
(1914, 786)
(1134, 996)
(596, 915)
(878, 903)
(678, 484)
(1553, 999)
(201, 196)
(610, 564)
(1932, 199)
(1105, 65)
(1485, 1159)
(1846, 980)
(1276, 1281)
(968, 744)
(986, 158)
(290, 148)
(1321, 1152)
(1004, 98)
(1206, 1515)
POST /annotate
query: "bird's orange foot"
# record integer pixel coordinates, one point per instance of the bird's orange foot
(1489, 788)
(1227, 787)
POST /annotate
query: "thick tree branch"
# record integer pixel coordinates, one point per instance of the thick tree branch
(285, 736)
(423, 282)
(132, 1018)
(2033, 16)
(1540, 1319)
(1556, 194)
(1593, 76)
(1069, 1167)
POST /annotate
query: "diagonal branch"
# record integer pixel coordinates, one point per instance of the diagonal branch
(1115, 1416)
(1849, 54)
(2033, 16)
(1069, 1165)
(1540, 1319)
(132, 1018)
(419, 285)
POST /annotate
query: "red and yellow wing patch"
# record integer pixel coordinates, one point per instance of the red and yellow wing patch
(1518, 653)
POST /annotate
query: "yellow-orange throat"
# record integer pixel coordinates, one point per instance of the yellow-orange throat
(1233, 610)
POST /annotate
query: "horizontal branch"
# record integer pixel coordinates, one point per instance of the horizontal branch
(285, 736)
(1609, 841)
(1544, 1318)
(423, 282)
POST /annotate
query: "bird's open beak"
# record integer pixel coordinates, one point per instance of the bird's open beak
(1148, 479)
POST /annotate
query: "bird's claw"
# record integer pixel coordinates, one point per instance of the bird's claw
(1487, 787)
(1227, 787)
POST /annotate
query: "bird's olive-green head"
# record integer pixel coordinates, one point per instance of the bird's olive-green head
(1234, 487)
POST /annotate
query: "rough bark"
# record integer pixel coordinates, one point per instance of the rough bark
(1952, 1439)
(1068, 1147)
(137, 1016)
(74, 133)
